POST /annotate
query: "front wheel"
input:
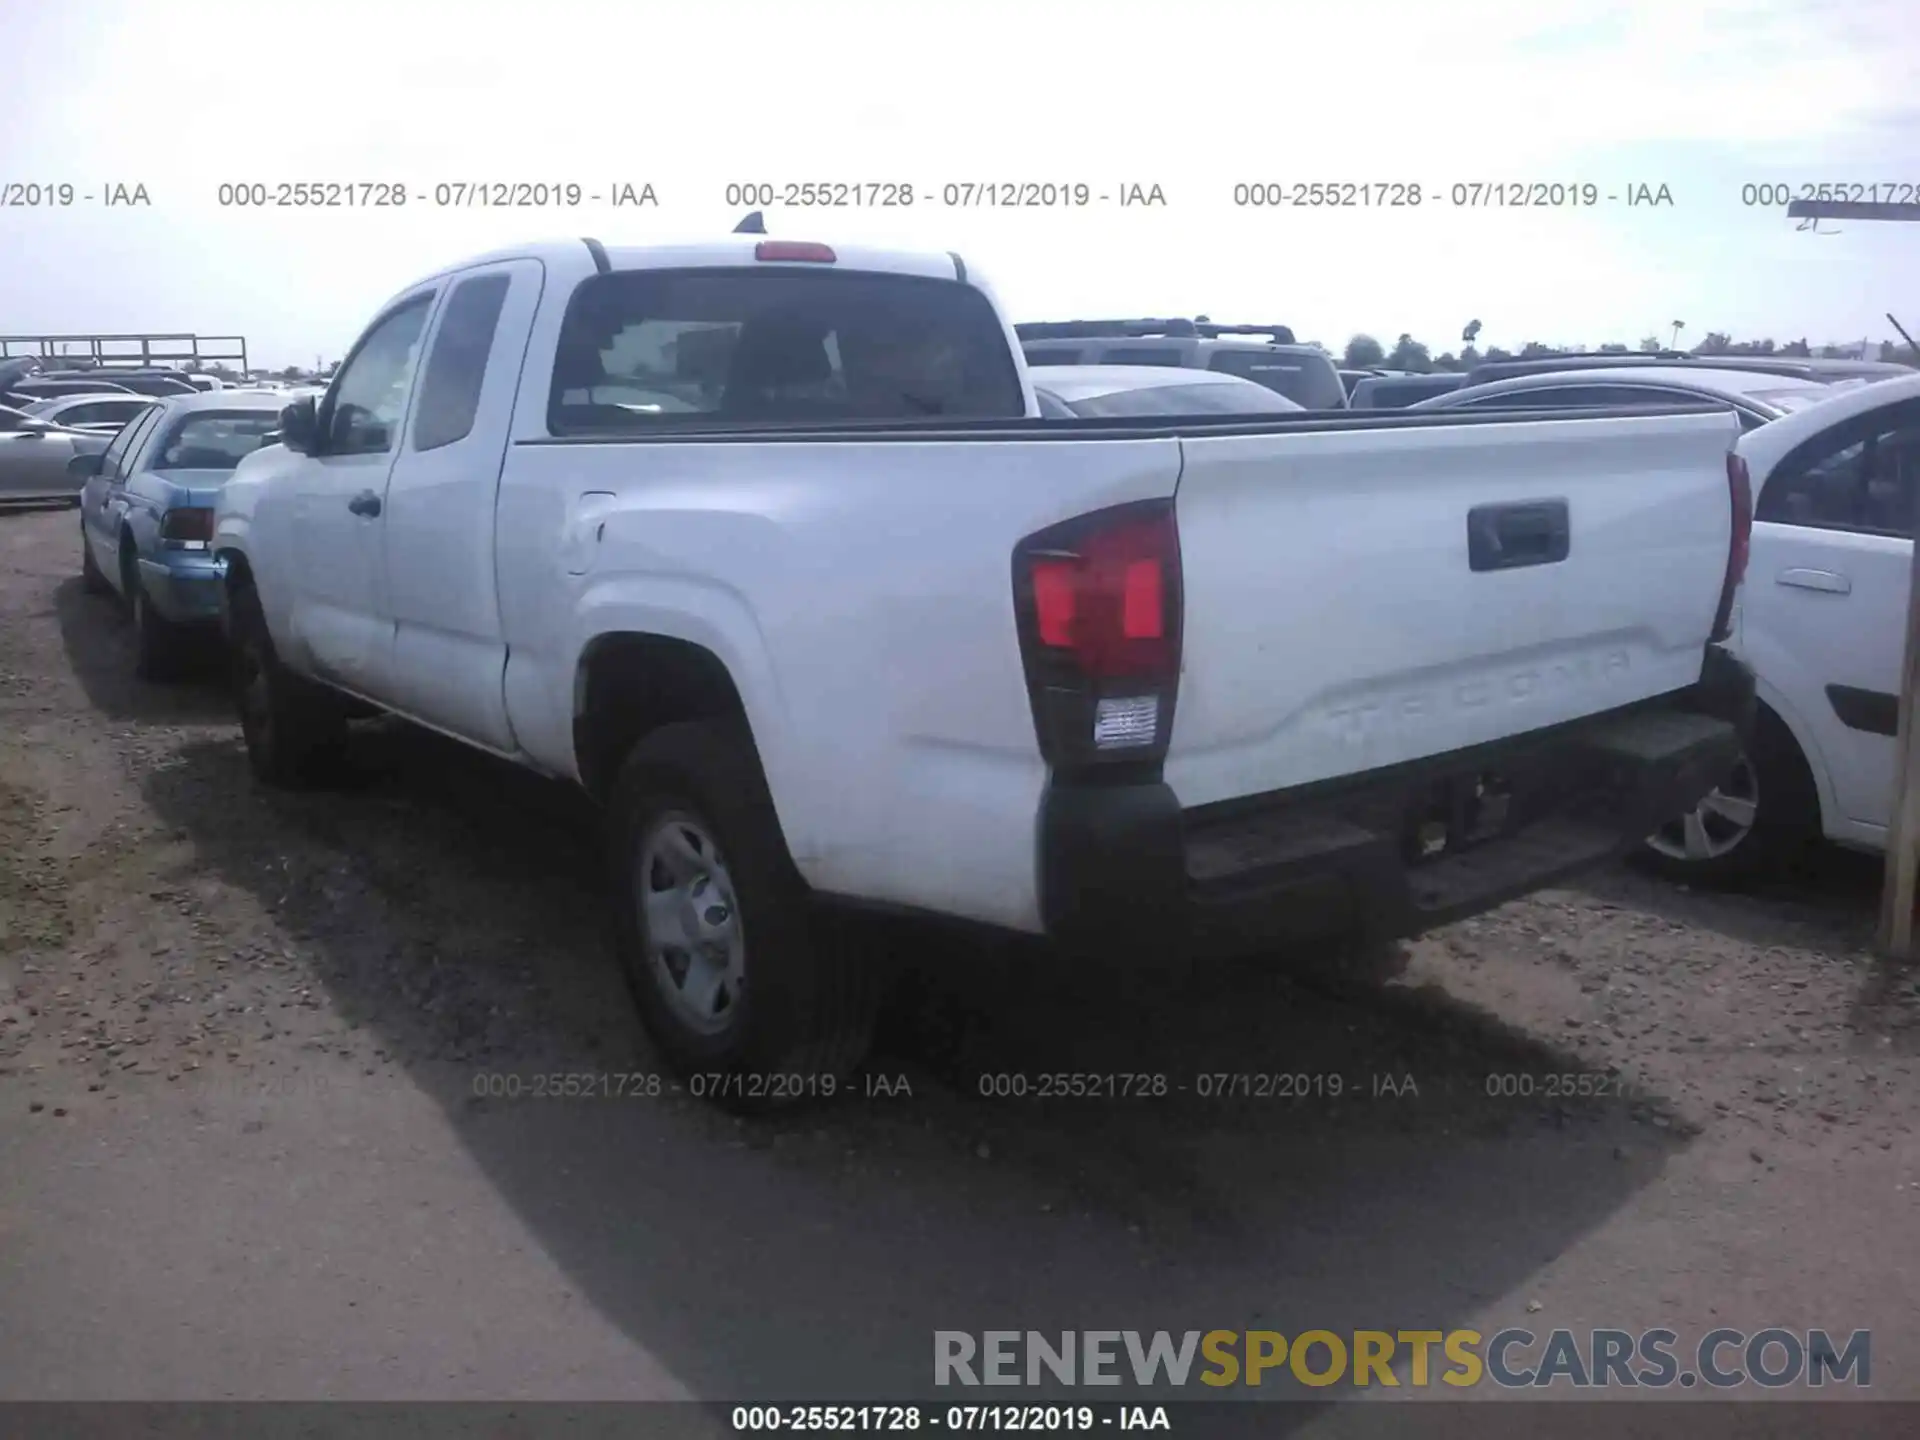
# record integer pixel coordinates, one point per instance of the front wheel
(1753, 823)
(716, 933)
(295, 730)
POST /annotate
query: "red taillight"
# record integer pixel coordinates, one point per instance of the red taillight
(795, 250)
(1740, 493)
(187, 523)
(1098, 603)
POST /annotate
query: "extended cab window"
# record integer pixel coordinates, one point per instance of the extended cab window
(450, 388)
(641, 349)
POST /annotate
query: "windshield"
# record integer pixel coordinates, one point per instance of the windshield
(1307, 379)
(215, 439)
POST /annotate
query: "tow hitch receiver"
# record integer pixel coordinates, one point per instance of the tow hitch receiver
(1459, 812)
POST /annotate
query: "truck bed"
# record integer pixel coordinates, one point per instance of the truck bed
(856, 581)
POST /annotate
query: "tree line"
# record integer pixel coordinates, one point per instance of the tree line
(1364, 352)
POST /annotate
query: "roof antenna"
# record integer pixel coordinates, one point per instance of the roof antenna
(754, 224)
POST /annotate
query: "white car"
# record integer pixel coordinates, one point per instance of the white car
(1756, 397)
(1069, 392)
(861, 624)
(1822, 620)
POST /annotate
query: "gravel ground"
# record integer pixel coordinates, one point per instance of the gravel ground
(242, 1153)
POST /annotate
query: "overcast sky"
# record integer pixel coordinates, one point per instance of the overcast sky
(1193, 96)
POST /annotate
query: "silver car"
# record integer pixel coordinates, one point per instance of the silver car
(103, 412)
(34, 456)
(1070, 392)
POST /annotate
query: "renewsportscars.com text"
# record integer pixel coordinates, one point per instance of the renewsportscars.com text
(1721, 1359)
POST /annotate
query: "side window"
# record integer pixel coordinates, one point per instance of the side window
(99, 412)
(113, 462)
(1562, 398)
(369, 395)
(1052, 355)
(1860, 476)
(1641, 395)
(450, 387)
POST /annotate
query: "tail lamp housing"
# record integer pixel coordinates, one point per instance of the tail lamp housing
(1740, 494)
(190, 525)
(1098, 605)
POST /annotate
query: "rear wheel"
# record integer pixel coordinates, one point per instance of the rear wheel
(158, 644)
(1757, 820)
(728, 967)
(295, 730)
(92, 577)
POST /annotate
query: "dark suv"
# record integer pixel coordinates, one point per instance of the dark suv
(1304, 374)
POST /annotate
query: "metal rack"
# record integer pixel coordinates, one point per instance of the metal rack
(147, 351)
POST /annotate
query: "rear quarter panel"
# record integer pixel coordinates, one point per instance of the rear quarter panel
(860, 594)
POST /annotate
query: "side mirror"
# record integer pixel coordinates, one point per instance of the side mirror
(35, 429)
(84, 467)
(300, 425)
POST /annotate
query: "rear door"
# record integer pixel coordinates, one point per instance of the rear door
(340, 616)
(1340, 616)
(103, 503)
(1825, 604)
(438, 532)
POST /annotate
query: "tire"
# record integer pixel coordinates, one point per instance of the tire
(296, 731)
(158, 645)
(1774, 780)
(758, 1013)
(92, 578)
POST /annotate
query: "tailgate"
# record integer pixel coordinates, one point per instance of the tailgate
(1338, 618)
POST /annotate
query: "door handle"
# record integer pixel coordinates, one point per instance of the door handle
(1827, 580)
(365, 503)
(1506, 537)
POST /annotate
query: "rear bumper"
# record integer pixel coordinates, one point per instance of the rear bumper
(1124, 869)
(184, 587)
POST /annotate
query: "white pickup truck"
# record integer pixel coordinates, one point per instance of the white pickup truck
(765, 545)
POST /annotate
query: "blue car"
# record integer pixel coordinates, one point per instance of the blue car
(146, 515)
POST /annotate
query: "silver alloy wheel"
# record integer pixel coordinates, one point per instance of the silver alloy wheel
(696, 944)
(1718, 824)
